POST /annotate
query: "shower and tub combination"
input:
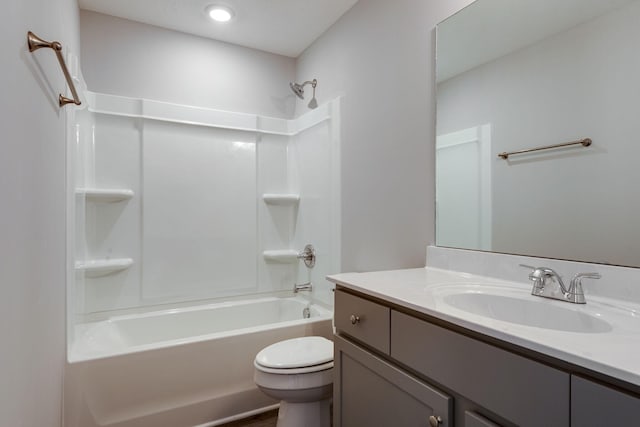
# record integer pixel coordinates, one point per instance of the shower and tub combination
(187, 233)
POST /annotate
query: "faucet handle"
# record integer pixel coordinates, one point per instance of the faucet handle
(587, 276)
(539, 277)
(539, 272)
(535, 271)
(575, 292)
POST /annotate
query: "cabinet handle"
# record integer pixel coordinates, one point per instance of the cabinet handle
(354, 319)
(435, 421)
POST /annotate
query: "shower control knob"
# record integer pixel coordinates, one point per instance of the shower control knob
(354, 319)
(435, 421)
(308, 255)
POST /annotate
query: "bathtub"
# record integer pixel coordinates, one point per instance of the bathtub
(180, 367)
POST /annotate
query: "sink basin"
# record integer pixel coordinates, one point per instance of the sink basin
(525, 309)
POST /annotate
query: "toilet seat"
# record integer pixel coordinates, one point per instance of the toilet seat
(293, 371)
(296, 356)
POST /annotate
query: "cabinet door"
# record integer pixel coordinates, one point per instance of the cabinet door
(471, 419)
(595, 405)
(370, 392)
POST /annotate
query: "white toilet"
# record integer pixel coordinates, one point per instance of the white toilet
(299, 373)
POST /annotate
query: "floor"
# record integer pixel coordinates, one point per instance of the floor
(266, 419)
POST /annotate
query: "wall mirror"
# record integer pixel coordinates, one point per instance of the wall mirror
(516, 75)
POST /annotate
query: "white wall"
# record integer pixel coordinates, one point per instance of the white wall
(143, 61)
(314, 165)
(32, 223)
(576, 203)
(380, 55)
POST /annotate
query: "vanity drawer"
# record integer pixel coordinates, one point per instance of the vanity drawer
(521, 390)
(363, 320)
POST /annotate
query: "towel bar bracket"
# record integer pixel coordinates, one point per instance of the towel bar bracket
(34, 42)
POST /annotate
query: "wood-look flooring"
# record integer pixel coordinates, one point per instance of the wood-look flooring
(266, 419)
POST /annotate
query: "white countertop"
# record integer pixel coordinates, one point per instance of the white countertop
(615, 353)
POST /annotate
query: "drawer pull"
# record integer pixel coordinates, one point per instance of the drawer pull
(354, 319)
(435, 421)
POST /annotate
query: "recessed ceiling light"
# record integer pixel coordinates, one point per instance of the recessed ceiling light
(220, 13)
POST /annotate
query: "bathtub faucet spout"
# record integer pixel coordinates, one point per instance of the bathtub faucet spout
(303, 287)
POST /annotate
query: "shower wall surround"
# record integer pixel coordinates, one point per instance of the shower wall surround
(170, 208)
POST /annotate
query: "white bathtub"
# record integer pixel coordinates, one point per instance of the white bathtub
(179, 367)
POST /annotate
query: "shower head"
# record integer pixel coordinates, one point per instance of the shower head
(298, 89)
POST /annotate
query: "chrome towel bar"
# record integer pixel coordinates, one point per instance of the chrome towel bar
(584, 142)
(36, 43)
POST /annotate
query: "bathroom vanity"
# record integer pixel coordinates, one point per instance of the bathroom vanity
(407, 354)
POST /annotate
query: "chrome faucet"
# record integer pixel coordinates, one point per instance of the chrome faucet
(302, 287)
(544, 278)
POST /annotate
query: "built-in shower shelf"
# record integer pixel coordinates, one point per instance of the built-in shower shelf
(106, 195)
(281, 199)
(281, 256)
(103, 267)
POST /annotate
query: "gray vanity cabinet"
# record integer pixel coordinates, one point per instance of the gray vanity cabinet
(372, 392)
(596, 405)
(397, 369)
(413, 373)
(520, 390)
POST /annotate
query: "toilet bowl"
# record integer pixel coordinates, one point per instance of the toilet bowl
(299, 373)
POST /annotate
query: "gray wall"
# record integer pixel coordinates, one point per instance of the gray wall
(143, 61)
(380, 55)
(32, 222)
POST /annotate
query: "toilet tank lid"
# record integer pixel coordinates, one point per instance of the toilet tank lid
(296, 353)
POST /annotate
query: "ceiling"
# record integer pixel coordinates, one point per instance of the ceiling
(284, 27)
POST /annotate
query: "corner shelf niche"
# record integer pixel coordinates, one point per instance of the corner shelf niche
(281, 256)
(105, 195)
(103, 267)
(281, 199)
